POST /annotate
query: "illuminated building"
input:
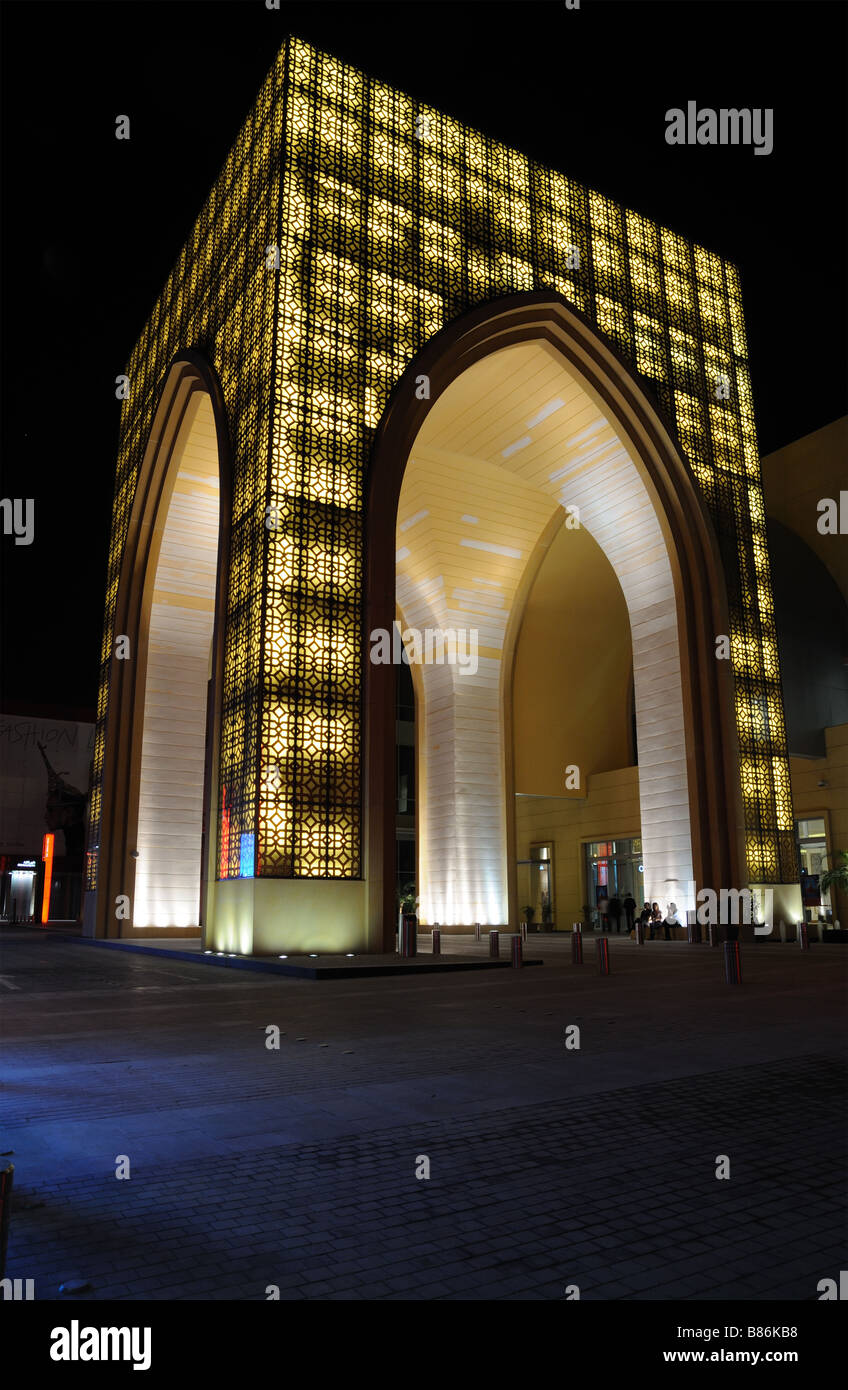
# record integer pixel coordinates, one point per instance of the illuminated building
(366, 282)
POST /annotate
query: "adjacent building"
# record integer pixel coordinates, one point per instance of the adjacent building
(45, 765)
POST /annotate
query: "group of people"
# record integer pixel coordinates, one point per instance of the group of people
(611, 911)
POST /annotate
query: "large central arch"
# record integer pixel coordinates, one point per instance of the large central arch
(633, 484)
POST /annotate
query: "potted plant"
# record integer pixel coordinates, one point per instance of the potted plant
(408, 902)
(529, 914)
(837, 878)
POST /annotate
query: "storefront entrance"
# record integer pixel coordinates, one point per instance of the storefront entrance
(614, 869)
(536, 889)
(811, 839)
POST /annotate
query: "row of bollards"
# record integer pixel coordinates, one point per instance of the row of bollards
(408, 940)
(515, 945)
(732, 953)
(408, 944)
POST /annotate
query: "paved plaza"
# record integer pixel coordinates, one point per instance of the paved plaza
(549, 1166)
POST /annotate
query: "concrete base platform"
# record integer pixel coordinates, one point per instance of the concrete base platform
(309, 968)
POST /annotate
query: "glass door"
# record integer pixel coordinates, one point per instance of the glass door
(614, 869)
(536, 889)
(812, 853)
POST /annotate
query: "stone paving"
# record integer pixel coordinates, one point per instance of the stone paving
(548, 1166)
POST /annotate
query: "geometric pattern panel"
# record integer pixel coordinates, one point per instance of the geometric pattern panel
(220, 300)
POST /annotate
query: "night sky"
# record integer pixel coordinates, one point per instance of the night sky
(93, 225)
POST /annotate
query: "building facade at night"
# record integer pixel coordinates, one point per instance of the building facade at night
(44, 777)
(400, 371)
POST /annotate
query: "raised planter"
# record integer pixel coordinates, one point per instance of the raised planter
(831, 934)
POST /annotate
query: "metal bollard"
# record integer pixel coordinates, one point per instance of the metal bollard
(516, 953)
(476, 931)
(603, 956)
(576, 944)
(732, 962)
(690, 933)
(409, 936)
(494, 947)
(437, 942)
(712, 932)
(640, 934)
(523, 931)
(803, 936)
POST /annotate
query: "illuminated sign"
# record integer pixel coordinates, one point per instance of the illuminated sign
(47, 856)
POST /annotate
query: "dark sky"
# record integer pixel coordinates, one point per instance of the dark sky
(92, 225)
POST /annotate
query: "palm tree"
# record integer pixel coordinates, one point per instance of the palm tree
(838, 876)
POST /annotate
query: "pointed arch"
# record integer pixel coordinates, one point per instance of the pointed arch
(190, 413)
(709, 739)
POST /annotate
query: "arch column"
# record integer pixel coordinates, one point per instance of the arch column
(617, 511)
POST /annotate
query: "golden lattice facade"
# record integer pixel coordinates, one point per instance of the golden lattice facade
(349, 224)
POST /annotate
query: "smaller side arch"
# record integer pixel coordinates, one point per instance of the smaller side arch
(190, 374)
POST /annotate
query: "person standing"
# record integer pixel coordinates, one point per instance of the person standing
(629, 906)
(603, 912)
(615, 913)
